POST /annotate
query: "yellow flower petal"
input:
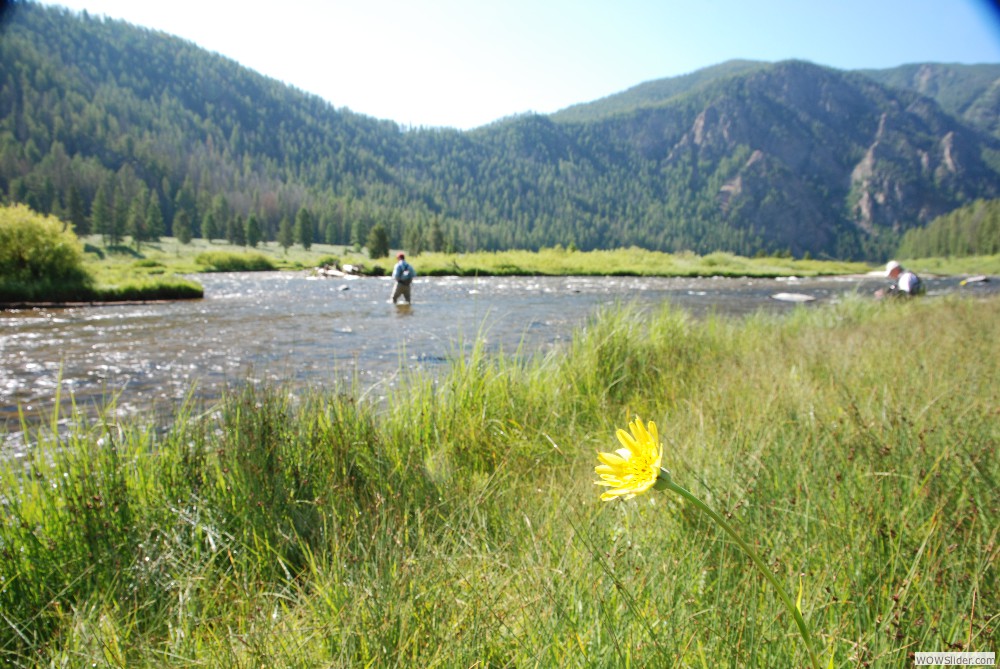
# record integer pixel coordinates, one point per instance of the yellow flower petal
(633, 469)
(612, 459)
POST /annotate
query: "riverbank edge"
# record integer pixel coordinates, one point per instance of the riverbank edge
(70, 304)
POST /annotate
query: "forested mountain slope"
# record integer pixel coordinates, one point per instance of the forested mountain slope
(101, 121)
(969, 92)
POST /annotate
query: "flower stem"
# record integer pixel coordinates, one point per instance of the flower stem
(803, 630)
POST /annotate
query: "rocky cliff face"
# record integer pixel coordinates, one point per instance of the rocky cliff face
(829, 150)
(970, 93)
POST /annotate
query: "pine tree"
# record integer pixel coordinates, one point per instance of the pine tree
(154, 218)
(182, 227)
(209, 229)
(286, 236)
(253, 233)
(185, 201)
(413, 239)
(77, 212)
(304, 228)
(102, 213)
(437, 236)
(119, 217)
(378, 241)
(239, 232)
(136, 221)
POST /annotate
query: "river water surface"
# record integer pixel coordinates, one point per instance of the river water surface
(302, 330)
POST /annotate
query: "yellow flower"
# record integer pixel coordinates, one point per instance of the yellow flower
(634, 468)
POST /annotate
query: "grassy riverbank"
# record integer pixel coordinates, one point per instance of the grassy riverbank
(31, 273)
(457, 524)
(178, 258)
(171, 256)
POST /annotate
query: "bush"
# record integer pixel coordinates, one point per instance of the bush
(40, 258)
(223, 261)
(331, 261)
(162, 288)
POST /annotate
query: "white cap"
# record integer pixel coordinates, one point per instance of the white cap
(890, 266)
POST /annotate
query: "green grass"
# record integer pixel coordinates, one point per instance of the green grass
(630, 262)
(174, 257)
(229, 261)
(184, 259)
(970, 265)
(168, 257)
(179, 258)
(456, 524)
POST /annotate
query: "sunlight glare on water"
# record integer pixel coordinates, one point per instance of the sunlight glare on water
(287, 327)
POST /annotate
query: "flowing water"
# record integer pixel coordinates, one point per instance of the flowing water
(306, 331)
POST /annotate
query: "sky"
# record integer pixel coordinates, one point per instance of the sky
(467, 63)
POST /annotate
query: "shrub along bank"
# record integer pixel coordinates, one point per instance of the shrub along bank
(42, 261)
(39, 258)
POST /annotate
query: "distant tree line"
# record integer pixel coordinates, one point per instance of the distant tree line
(970, 230)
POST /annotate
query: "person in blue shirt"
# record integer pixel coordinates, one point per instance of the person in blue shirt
(403, 273)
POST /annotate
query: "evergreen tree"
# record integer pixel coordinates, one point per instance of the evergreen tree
(167, 206)
(239, 232)
(412, 239)
(223, 217)
(119, 216)
(378, 241)
(185, 201)
(102, 213)
(286, 235)
(304, 228)
(136, 225)
(454, 244)
(182, 227)
(209, 229)
(330, 232)
(77, 212)
(154, 218)
(359, 233)
(436, 236)
(253, 233)
(988, 237)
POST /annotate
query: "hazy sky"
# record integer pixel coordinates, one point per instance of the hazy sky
(466, 63)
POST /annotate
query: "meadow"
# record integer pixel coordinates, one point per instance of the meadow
(456, 524)
(169, 256)
(43, 262)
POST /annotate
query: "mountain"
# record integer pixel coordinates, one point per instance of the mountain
(829, 155)
(107, 124)
(968, 92)
(653, 93)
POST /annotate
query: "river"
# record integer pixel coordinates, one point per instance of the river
(295, 328)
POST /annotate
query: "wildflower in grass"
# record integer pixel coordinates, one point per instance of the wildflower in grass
(636, 467)
(633, 468)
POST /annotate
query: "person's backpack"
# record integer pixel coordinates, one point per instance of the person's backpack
(406, 275)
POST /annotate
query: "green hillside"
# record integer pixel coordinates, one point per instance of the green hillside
(130, 132)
